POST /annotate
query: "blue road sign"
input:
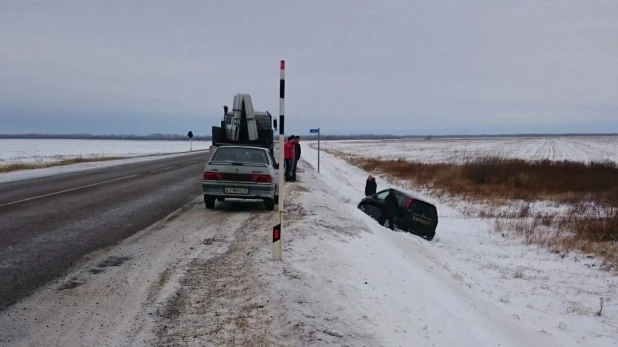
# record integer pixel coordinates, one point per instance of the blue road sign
(314, 131)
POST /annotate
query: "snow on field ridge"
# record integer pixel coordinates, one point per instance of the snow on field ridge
(44, 150)
(583, 149)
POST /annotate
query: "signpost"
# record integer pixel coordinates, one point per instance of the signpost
(278, 216)
(317, 131)
(190, 134)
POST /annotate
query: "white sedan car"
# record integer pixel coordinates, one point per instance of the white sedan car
(241, 172)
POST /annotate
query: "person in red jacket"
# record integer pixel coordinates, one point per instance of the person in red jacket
(289, 156)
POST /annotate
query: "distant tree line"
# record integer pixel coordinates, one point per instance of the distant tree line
(151, 137)
(177, 137)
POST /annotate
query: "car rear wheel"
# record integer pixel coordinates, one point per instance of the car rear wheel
(209, 201)
(270, 204)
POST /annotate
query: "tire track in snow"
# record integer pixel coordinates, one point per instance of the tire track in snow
(219, 303)
(119, 305)
(544, 150)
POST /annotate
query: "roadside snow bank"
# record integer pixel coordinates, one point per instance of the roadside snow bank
(347, 281)
(470, 286)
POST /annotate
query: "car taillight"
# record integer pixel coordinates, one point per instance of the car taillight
(409, 203)
(210, 176)
(261, 178)
(267, 179)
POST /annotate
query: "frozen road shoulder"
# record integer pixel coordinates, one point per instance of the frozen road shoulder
(48, 224)
(119, 297)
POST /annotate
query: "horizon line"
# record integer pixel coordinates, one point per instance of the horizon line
(325, 136)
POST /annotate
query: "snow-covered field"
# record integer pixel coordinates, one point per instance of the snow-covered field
(44, 151)
(453, 150)
(521, 289)
(206, 278)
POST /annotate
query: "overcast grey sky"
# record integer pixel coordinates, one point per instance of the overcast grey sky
(353, 66)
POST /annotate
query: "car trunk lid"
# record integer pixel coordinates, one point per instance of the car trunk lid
(423, 216)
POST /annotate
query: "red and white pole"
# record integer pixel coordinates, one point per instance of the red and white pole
(278, 216)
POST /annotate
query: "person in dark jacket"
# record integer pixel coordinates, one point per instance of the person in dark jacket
(296, 155)
(389, 209)
(371, 187)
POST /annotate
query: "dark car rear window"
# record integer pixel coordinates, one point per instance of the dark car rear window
(401, 200)
(240, 155)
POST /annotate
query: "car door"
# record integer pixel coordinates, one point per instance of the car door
(424, 217)
(275, 170)
(401, 205)
(375, 207)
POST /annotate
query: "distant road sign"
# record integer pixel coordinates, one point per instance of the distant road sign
(190, 134)
(317, 131)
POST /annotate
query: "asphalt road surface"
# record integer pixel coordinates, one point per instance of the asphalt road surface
(48, 224)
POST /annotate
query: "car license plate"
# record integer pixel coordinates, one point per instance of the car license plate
(236, 190)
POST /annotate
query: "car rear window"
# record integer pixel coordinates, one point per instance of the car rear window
(240, 155)
(424, 209)
(401, 200)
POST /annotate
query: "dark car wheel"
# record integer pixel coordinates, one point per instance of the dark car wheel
(270, 204)
(276, 199)
(209, 201)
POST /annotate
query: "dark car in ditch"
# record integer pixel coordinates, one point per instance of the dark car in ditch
(415, 215)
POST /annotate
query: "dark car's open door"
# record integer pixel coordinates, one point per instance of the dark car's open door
(374, 207)
(402, 199)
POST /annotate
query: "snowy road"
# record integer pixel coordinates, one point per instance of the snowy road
(131, 294)
(48, 224)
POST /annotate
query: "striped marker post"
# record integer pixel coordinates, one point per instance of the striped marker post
(278, 216)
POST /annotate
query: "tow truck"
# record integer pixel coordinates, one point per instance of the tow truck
(244, 126)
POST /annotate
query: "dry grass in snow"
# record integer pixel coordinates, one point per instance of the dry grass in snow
(588, 193)
(42, 165)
